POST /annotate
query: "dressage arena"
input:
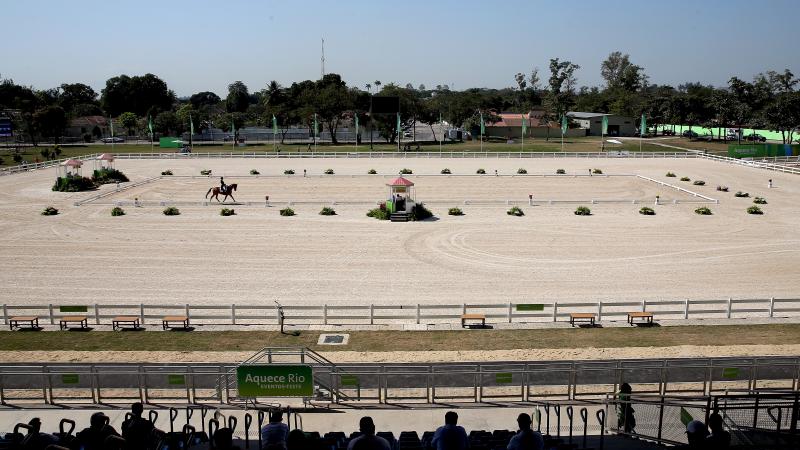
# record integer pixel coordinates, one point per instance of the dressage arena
(85, 256)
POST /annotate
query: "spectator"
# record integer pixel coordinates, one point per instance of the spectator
(526, 438)
(368, 440)
(296, 440)
(719, 438)
(223, 439)
(625, 419)
(450, 436)
(37, 439)
(137, 430)
(93, 438)
(696, 433)
(275, 433)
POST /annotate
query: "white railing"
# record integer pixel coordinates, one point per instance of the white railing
(375, 314)
(757, 164)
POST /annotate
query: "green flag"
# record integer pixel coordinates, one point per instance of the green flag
(233, 130)
(605, 125)
(191, 125)
(643, 127)
(483, 126)
(356, 127)
(564, 125)
(399, 128)
(274, 125)
(524, 124)
(316, 127)
(150, 124)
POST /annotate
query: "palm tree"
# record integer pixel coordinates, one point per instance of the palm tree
(377, 85)
(369, 87)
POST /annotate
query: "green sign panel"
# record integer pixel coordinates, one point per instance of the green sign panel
(349, 380)
(73, 309)
(70, 378)
(503, 378)
(176, 379)
(762, 150)
(170, 142)
(730, 372)
(275, 381)
(530, 307)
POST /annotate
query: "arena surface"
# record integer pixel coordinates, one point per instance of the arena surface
(85, 256)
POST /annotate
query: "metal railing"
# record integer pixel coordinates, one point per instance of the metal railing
(377, 314)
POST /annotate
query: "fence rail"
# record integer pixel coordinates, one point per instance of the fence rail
(375, 314)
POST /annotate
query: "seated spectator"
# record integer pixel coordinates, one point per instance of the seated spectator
(450, 436)
(296, 440)
(696, 433)
(37, 439)
(275, 433)
(719, 438)
(223, 439)
(526, 438)
(93, 438)
(137, 430)
(368, 440)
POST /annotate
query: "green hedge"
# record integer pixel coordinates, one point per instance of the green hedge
(327, 211)
(583, 211)
(286, 212)
(117, 211)
(455, 212)
(420, 212)
(647, 211)
(108, 175)
(50, 211)
(378, 213)
(754, 210)
(515, 211)
(73, 183)
(227, 212)
(172, 211)
(703, 211)
(166, 172)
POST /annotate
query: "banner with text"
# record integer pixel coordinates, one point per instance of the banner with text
(275, 381)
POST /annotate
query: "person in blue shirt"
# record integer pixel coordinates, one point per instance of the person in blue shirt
(450, 436)
(526, 438)
(275, 433)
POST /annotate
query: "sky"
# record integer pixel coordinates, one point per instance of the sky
(205, 45)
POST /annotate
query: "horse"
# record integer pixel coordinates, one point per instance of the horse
(215, 191)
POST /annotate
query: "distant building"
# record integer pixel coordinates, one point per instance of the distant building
(510, 126)
(95, 126)
(593, 123)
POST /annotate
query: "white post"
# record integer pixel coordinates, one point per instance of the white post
(52, 319)
(730, 302)
(599, 311)
(417, 313)
(371, 314)
(771, 306)
(233, 314)
(141, 313)
(187, 310)
(555, 311)
(96, 314)
(325, 314)
(644, 305)
(686, 309)
(5, 313)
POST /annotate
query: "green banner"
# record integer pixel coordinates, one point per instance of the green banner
(745, 150)
(730, 372)
(503, 378)
(530, 307)
(73, 309)
(170, 142)
(176, 379)
(349, 380)
(275, 381)
(70, 378)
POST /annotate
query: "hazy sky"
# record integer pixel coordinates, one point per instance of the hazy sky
(205, 45)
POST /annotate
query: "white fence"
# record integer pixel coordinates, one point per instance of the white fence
(374, 314)
(785, 168)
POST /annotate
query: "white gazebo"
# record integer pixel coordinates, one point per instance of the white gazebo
(70, 167)
(401, 195)
(104, 161)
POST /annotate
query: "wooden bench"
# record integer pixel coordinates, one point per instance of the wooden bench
(33, 322)
(584, 317)
(165, 322)
(646, 317)
(473, 317)
(64, 322)
(118, 323)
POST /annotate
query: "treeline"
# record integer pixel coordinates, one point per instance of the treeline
(769, 101)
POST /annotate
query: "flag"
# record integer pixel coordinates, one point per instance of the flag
(483, 126)
(643, 127)
(605, 125)
(150, 124)
(191, 126)
(316, 127)
(564, 125)
(399, 128)
(274, 125)
(112, 127)
(233, 129)
(356, 127)
(524, 124)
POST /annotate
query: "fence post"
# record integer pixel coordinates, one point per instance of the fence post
(771, 306)
(371, 314)
(644, 305)
(141, 313)
(730, 303)
(96, 314)
(417, 313)
(325, 314)
(509, 312)
(187, 310)
(599, 311)
(555, 311)
(5, 314)
(686, 309)
(233, 313)
(52, 320)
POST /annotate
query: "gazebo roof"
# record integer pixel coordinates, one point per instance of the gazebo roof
(106, 157)
(72, 163)
(400, 181)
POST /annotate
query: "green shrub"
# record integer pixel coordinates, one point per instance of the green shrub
(287, 212)
(455, 212)
(372, 171)
(560, 172)
(515, 211)
(288, 172)
(73, 183)
(670, 175)
(446, 171)
(49, 211)
(703, 211)
(699, 183)
(328, 171)
(326, 211)
(166, 173)
(686, 179)
(378, 213)
(405, 171)
(760, 201)
(597, 171)
(480, 172)
(227, 212)
(17, 157)
(420, 212)
(741, 194)
(583, 211)
(172, 211)
(647, 211)
(117, 211)
(205, 172)
(254, 172)
(754, 210)
(108, 175)
(522, 171)
(722, 188)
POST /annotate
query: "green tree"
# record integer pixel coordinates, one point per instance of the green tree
(129, 121)
(238, 98)
(201, 99)
(51, 120)
(166, 123)
(138, 94)
(77, 95)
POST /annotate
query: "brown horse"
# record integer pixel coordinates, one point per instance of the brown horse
(215, 191)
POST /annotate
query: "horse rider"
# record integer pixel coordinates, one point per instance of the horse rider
(222, 186)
